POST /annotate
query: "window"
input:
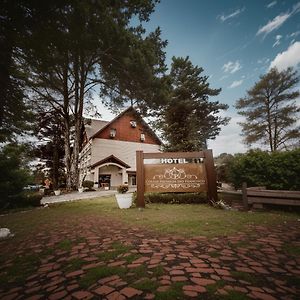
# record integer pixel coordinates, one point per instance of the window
(113, 132)
(133, 123)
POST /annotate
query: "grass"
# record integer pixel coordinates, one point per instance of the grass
(117, 249)
(187, 219)
(174, 292)
(73, 264)
(65, 245)
(93, 275)
(20, 269)
(146, 285)
(291, 249)
(233, 295)
(251, 278)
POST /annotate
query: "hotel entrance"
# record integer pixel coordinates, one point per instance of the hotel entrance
(104, 181)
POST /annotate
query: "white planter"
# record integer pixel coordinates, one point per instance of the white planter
(57, 192)
(80, 190)
(124, 200)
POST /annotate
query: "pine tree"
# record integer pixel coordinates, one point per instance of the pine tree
(189, 119)
(271, 111)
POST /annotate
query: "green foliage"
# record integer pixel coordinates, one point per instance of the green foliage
(276, 170)
(88, 184)
(14, 175)
(174, 198)
(189, 119)
(271, 111)
(123, 188)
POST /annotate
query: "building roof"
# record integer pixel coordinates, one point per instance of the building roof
(94, 131)
(92, 126)
(110, 159)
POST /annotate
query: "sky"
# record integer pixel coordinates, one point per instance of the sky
(235, 42)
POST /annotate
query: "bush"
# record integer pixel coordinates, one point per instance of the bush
(88, 184)
(23, 200)
(122, 189)
(277, 170)
(174, 198)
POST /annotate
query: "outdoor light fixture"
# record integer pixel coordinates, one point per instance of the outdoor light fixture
(113, 132)
(142, 137)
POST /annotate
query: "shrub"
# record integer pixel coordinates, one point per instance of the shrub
(174, 198)
(277, 170)
(88, 184)
(122, 189)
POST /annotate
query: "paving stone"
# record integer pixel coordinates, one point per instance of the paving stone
(115, 296)
(75, 273)
(130, 292)
(262, 296)
(163, 288)
(190, 293)
(195, 288)
(176, 272)
(80, 295)
(179, 278)
(58, 296)
(222, 272)
(202, 281)
(104, 290)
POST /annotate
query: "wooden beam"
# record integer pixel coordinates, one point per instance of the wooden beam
(245, 198)
(212, 192)
(140, 179)
(269, 200)
(199, 154)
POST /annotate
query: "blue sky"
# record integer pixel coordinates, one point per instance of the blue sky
(234, 42)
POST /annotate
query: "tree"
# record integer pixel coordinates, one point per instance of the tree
(49, 129)
(88, 44)
(271, 111)
(189, 119)
(14, 173)
(14, 109)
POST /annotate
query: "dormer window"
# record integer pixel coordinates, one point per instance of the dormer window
(142, 137)
(133, 123)
(113, 132)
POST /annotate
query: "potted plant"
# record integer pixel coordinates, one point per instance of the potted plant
(124, 199)
(57, 192)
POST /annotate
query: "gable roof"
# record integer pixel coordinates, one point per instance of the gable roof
(92, 126)
(133, 110)
(112, 159)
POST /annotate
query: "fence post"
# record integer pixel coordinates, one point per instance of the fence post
(140, 180)
(244, 194)
(211, 175)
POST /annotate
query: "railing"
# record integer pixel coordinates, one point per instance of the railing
(258, 196)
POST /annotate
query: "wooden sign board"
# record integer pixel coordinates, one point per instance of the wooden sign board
(173, 175)
(182, 178)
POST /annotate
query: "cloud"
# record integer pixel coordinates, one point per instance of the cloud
(224, 17)
(294, 34)
(235, 84)
(273, 24)
(278, 21)
(231, 67)
(277, 40)
(271, 4)
(229, 140)
(288, 58)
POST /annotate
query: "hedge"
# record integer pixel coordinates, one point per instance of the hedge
(276, 170)
(174, 198)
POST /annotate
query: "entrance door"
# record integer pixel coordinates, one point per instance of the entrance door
(104, 181)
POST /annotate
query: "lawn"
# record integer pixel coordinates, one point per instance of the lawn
(185, 220)
(87, 238)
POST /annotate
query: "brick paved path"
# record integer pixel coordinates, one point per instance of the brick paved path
(91, 258)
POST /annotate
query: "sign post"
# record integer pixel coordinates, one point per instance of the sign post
(177, 172)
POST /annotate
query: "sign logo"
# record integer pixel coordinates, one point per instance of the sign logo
(175, 178)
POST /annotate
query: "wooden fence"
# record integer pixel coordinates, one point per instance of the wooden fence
(258, 196)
